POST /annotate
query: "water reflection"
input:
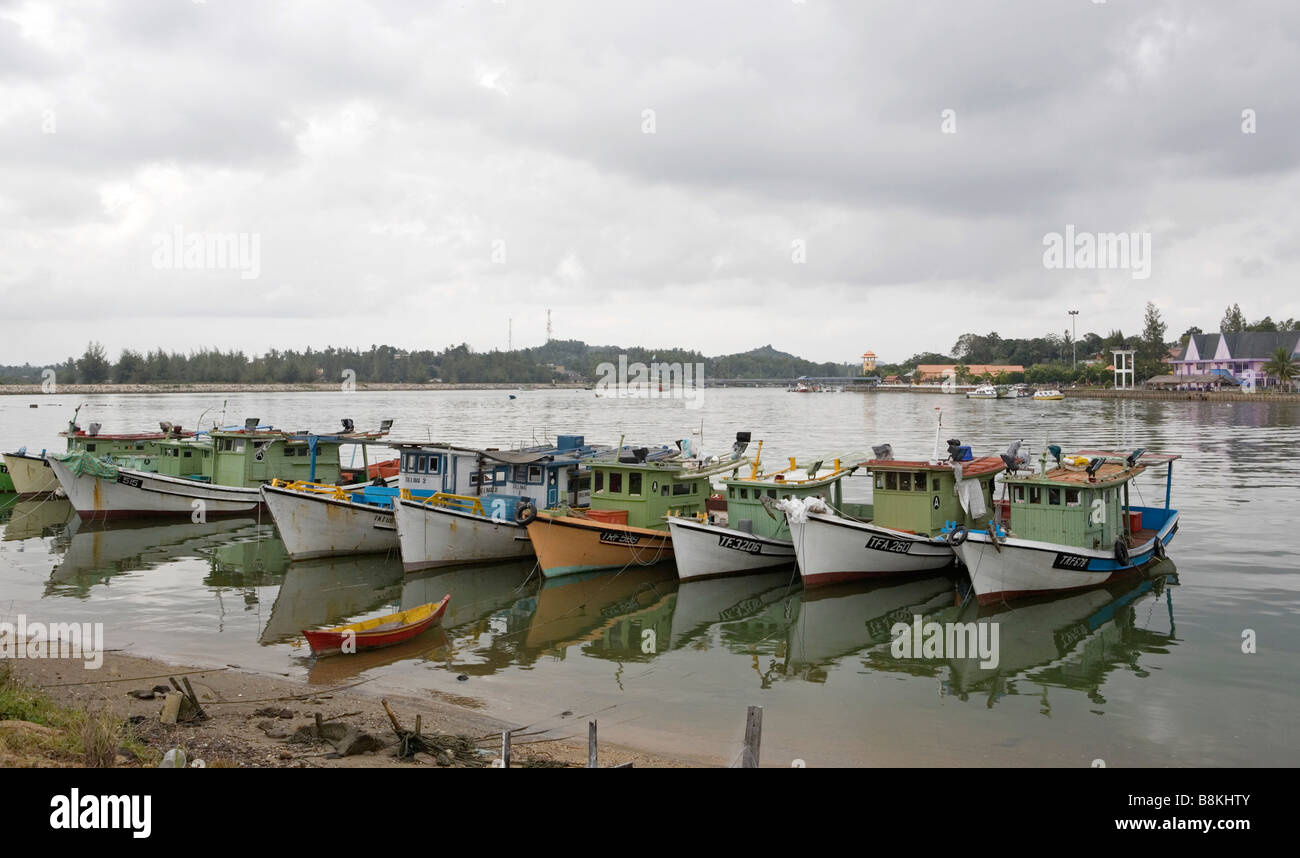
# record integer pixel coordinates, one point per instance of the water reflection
(35, 518)
(835, 622)
(1072, 641)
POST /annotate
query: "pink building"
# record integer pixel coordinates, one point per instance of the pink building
(1233, 356)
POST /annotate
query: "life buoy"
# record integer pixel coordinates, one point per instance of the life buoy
(525, 512)
(1121, 552)
(958, 535)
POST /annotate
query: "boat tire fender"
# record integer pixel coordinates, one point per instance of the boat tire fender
(525, 513)
(1121, 552)
(958, 535)
(1158, 550)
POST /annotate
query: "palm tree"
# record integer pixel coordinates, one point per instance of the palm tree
(1281, 366)
(962, 372)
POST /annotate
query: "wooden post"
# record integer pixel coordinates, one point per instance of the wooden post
(505, 749)
(591, 745)
(753, 735)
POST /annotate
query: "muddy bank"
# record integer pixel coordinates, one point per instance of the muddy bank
(257, 721)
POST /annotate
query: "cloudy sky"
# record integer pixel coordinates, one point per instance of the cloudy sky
(823, 176)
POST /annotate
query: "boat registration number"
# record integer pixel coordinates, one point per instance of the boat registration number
(1070, 561)
(612, 537)
(881, 543)
(133, 482)
(735, 543)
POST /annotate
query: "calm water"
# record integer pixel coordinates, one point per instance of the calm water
(1147, 674)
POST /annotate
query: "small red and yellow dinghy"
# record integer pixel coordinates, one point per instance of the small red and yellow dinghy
(377, 632)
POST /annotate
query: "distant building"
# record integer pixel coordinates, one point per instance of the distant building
(868, 363)
(1233, 357)
(939, 371)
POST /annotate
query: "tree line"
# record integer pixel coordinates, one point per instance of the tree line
(557, 360)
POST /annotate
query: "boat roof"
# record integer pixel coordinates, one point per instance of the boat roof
(974, 468)
(82, 434)
(1108, 474)
(1147, 458)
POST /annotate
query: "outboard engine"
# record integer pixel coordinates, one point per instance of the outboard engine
(742, 443)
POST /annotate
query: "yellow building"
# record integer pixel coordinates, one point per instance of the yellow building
(868, 363)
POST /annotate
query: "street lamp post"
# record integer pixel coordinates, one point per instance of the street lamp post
(1074, 339)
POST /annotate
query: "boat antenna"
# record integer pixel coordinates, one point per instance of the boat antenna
(938, 430)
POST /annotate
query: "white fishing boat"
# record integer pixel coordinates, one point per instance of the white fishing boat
(751, 533)
(31, 474)
(983, 391)
(897, 533)
(316, 520)
(1068, 528)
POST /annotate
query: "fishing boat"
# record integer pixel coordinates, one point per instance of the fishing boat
(218, 474)
(463, 505)
(377, 632)
(752, 532)
(1048, 394)
(631, 499)
(6, 481)
(983, 391)
(897, 533)
(1068, 527)
(31, 474)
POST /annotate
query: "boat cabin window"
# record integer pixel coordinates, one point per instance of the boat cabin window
(1018, 494)
(744, 494)
(1054, 497)
(905, 482)
(685, 489)
(771, 493)
(918, 482)
(1072, 497)
(535, 474)
(90, 448)
(433, 465)
(616, 483)
(600, 481)
(1035, 494)
(891, 481)
(934, 485)
(408, 462)
(521, 474)
(187, 454)
(663, 492)
(880, 481)
(634, 484)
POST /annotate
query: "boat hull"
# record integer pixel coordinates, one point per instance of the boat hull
(569, 546)
(316, 525)
(431, 537)
(333, 641)
(135, 494)
(31, 475)
(708, 551)
(831, 549)
(1021, 568)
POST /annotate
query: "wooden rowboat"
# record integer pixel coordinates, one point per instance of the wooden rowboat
(377, 632)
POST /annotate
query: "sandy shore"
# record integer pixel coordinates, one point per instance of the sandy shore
(255, 720)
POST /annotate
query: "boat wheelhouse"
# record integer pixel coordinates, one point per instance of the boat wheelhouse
(462, 505)
(912, 502)
(752, 533)
(30, 473)
(983, 391)
(632, 497)
(1069, 527)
